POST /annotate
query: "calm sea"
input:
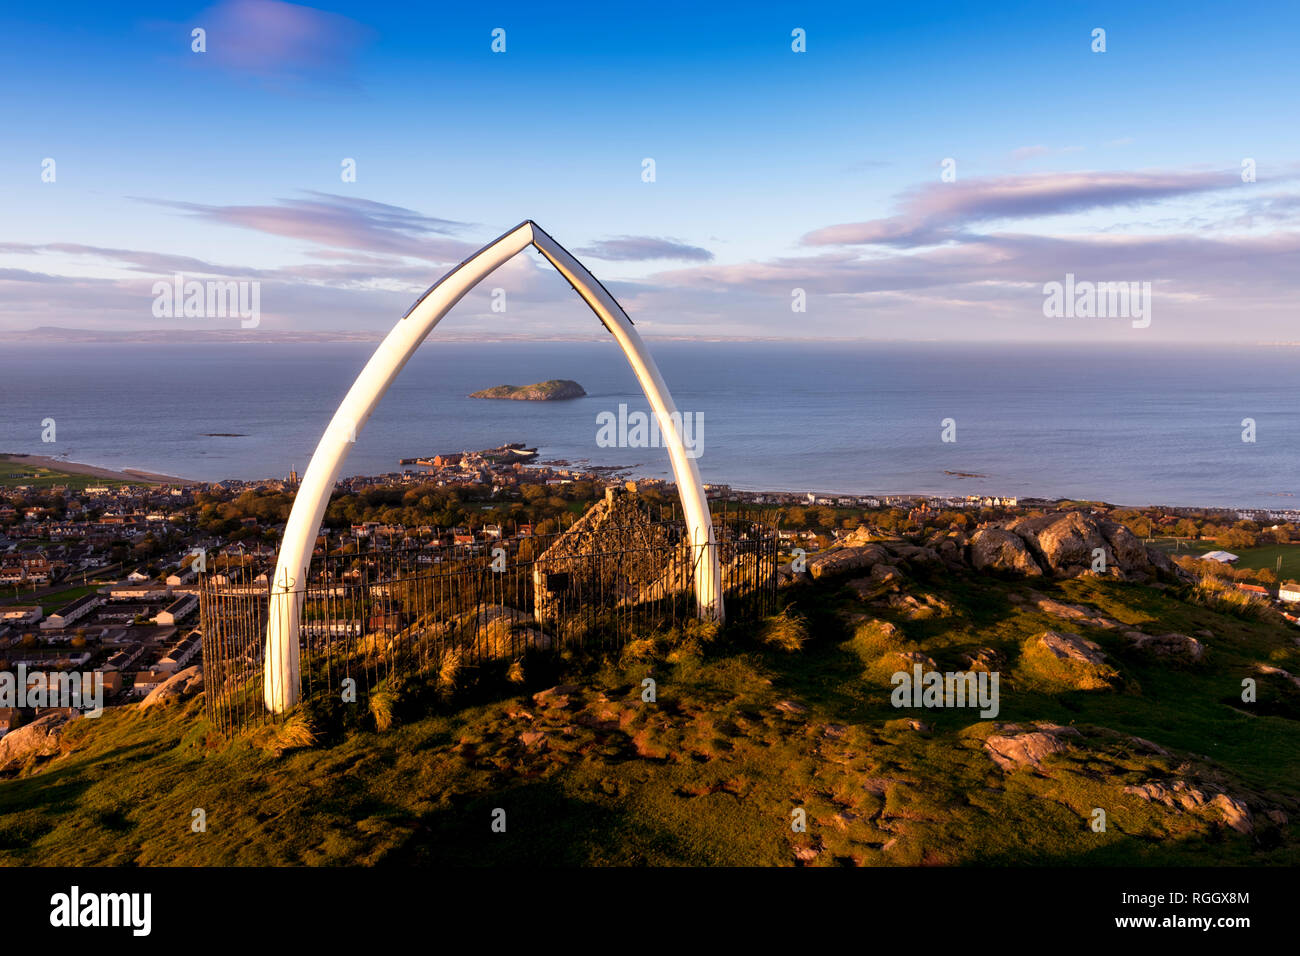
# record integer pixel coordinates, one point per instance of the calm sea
(1155, 425)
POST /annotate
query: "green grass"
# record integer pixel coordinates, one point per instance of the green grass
(1253, 559)
(17, 471)
(740, 735)
(51, 602)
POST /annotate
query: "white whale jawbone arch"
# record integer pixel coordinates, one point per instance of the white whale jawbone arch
(288, 587)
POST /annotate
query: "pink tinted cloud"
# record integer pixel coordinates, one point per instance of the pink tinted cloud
(343, 222)
(937, 212)
(269, 38)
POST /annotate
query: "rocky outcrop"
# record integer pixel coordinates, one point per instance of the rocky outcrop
(999, 550)
(1064, 543)
(1128, 550)
(1068, 543)
(1194, 793)
(1075, 613)
(1278, 672)
(40, 738)
(181, 684)
(1070, 647)
(1016, 746)
(1185, 796)
(1059, 544)
(1175, 647)
(842, 560)
(860, 535)
(914, 554)
(951, 548)
(984, 659)
(916, 609)
(1061, 661)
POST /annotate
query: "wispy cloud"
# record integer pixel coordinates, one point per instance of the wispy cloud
(344, 290)
(1029, 152)
(134, 260)
(643, 248)
(945, 273)
(267, 38)
(938, 212)
(343, 222)
(1208, 288)
(1033, 152)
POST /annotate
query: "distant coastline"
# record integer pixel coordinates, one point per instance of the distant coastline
(137, 476)
(263, 335)
(91, 471)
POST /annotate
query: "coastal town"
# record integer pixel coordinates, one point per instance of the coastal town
(102, 578)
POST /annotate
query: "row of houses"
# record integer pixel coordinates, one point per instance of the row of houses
(433, 538)
(867, 501)
(29, 568)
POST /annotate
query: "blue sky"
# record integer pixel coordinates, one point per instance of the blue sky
(775, 170)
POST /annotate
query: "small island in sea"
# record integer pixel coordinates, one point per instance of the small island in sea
(553, 390)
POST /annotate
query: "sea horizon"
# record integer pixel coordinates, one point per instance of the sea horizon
(1099, 422)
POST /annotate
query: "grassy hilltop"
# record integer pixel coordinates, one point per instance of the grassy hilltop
(748, 725)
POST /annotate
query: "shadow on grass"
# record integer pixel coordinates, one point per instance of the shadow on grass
(544, 826)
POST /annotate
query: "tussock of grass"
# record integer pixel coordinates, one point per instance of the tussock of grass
(786, 631)
(873, 639)
(639, 649)
(881, 671)
(449, 665)
(1224, 598)
(383, 706)
(704, 631)
(295, 733)
(374, 645)
(694, 630)
(688, 651)
(515, 673)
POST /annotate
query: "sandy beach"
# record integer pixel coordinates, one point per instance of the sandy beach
(94, 471)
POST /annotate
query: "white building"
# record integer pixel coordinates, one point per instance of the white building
(177, 611)
(20, 614)
(180, 655)
(71, 613)
(139, 592)
(146, 681)
(179, 577)
(1223, 557)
